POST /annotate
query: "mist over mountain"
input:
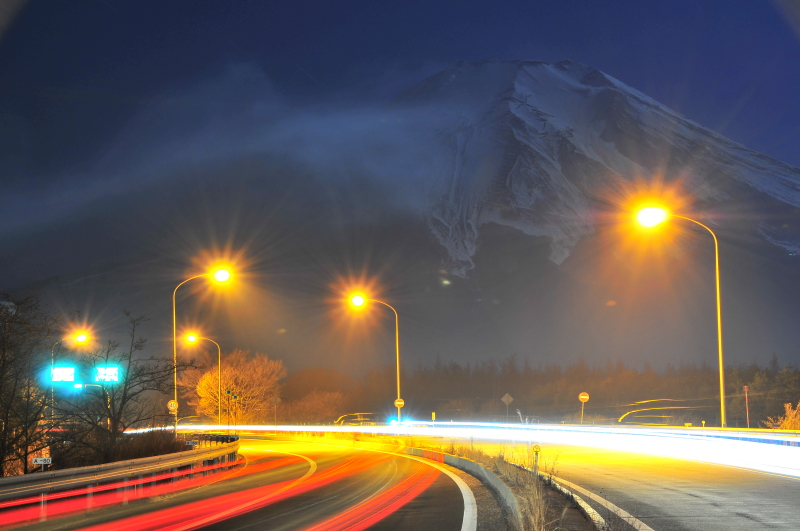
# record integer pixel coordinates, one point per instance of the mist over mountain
(487, 201)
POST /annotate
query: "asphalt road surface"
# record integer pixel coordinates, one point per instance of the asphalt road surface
(673, 494)
(296, 485)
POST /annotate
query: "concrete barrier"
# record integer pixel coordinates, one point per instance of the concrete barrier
(486, 476)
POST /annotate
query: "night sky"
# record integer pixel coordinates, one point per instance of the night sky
(105, 104)
(74, 73)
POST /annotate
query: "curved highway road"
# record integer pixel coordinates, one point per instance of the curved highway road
(296, 485)
(674, 494)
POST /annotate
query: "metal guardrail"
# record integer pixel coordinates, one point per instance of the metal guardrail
(71, 478)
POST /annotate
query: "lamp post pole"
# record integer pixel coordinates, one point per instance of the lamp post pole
(52, 387)
(396, 350)
(80, 338)
(220, 275)
(723, 418)
(358, 301)
(653, 216)
(175, 346)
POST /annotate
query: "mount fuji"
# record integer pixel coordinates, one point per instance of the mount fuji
(537, 147)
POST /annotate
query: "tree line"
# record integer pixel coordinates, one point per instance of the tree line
(473, 391)
(549, 393)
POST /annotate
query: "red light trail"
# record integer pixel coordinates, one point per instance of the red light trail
(204, 512)
(77, 500)
(384, 504)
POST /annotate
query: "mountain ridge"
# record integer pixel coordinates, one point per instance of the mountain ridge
(529, 140)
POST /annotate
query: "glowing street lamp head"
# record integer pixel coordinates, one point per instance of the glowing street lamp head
(222, 275)
(357, 301)
(79, 338)
(651, 216)
(191, 338)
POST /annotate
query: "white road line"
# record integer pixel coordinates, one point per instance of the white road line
(624, 515)
(470, 519)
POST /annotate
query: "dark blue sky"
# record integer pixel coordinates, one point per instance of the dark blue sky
(128, 132)
(73, 73)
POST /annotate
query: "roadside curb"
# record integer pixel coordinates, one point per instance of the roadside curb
(598, 521)
(486, 476)
(593, 516)
(507, 496)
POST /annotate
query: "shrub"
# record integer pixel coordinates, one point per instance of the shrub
(790, 421)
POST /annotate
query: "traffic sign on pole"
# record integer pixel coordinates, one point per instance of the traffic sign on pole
(583, 397)
(507, 399)
(42, 460)
(172, 405)
(399, 402)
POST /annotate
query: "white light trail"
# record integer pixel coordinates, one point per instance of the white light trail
(776, 452)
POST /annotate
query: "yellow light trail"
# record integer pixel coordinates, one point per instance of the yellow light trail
(772, 451)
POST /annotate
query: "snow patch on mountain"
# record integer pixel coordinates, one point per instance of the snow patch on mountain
(529, 144)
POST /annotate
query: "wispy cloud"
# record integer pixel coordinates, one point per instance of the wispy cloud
(234, 115)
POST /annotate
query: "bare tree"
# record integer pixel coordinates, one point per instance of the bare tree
(25, 332)
(102, 411)
(253, 382)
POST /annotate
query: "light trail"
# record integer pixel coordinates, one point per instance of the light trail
(132, 483)
(204, 512)
(773, 451)
(66, 502)
(199, 514)
(382, 505)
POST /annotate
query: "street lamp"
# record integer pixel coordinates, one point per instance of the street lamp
(359, 301)
(192, 338)
(80, 337)
(219, 275)
(650, 217)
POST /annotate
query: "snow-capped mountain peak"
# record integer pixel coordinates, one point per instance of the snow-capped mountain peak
(528, 144)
